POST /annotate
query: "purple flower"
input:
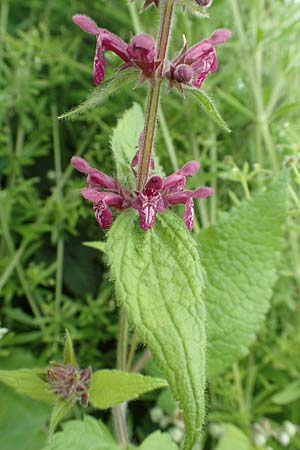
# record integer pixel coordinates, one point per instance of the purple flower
(140, 53)
(158, 194)
(103, 191)
(192, 65)
(162, 193)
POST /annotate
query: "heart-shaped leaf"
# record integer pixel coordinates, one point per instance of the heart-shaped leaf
(159, 281)
(240, 256)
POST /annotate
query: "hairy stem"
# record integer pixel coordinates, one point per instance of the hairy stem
(60, 240)
(167, 9)
(119, 411)
(161, 116)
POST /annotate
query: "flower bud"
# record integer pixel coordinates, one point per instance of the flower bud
(142, 48)
(80, 164)
(183, 73)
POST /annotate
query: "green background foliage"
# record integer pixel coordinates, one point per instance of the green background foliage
(49, 281)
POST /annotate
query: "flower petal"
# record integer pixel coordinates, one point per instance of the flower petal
(115, 44)
(142, 48)
(153, 185)
(220, 36)
(92, 195)
(188, 216)
(148, 206)
(189, 168)
(203, 192)
(80, 164)
(99, 63)
(174, 183)
(86, 24)
(101, 179)
(103, 216)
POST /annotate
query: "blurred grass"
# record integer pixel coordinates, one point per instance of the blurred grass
(48, 280)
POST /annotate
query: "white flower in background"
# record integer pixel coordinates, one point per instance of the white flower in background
(290, 428)
(3, 331)
(260, 440)
(284, 438)
(176, 434)
(156, 414)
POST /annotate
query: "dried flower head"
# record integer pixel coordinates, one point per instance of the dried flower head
(69, 382)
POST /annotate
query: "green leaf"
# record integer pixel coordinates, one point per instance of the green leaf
(22, 422)
(124, 142)
(69, 355)
(28, 382)
(110, 387)
(208, 107)
(60, 410)
(158, 441)
(233, 439)
(289, 394)
(102, 93)
(166, 402)
(159, 280)
(98, 245)
(89, 434)
(240, 256)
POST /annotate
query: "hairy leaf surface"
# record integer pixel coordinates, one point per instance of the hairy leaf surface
(159, 280)
(102, 93)
(110, 387)
(27, 382)
(60, 410)
(87, 434)
(124, 143)
(208, 106)
(240, 256)
(158, 441)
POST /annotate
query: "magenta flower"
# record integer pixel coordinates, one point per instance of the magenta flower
(103, 191)
(158, 194)
(140, 53)
(192, 65)
(162, 193)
